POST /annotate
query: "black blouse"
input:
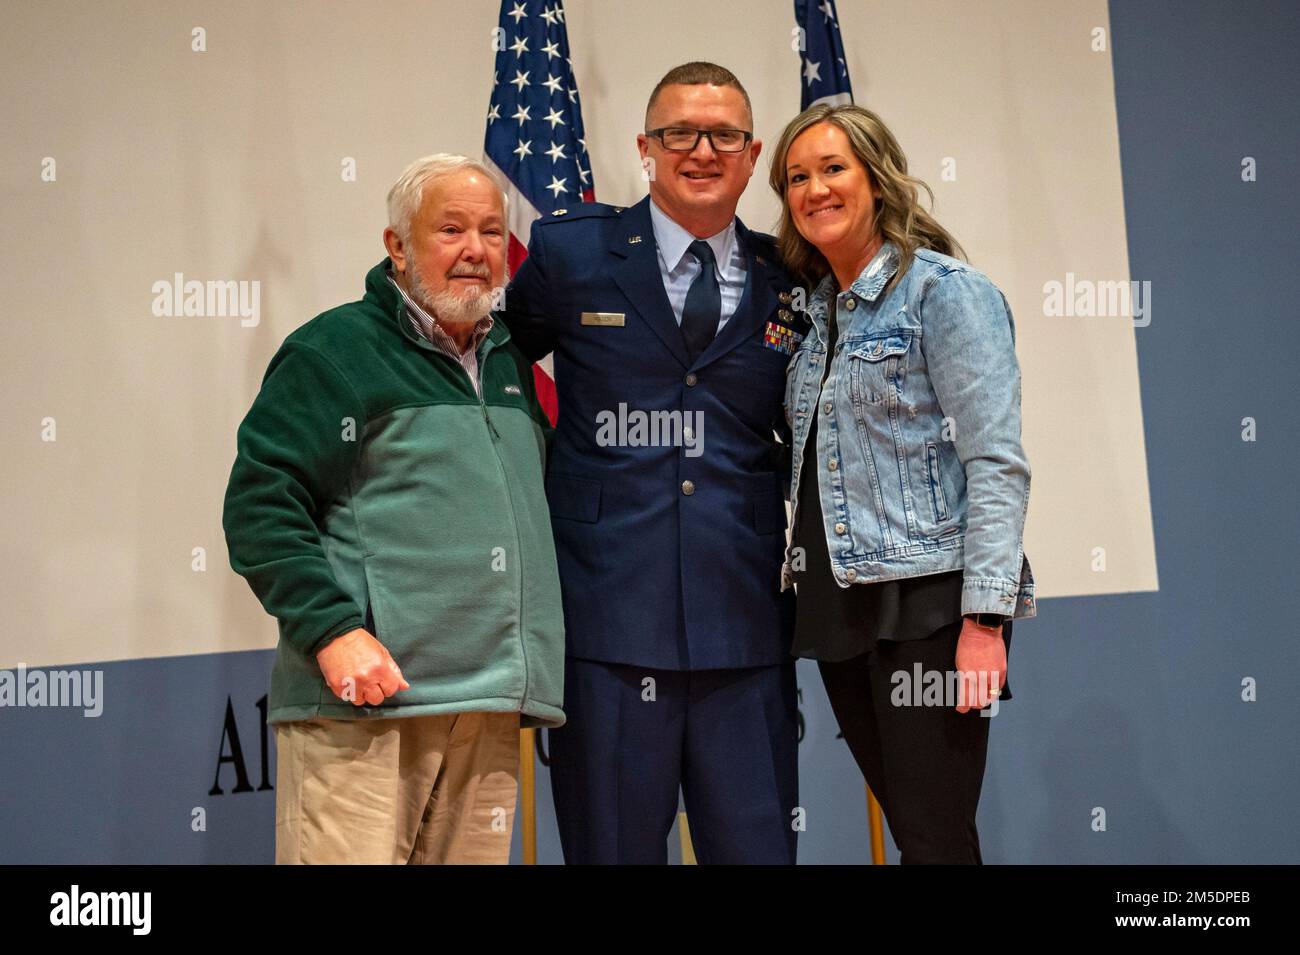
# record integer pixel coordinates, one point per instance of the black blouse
(833, 623)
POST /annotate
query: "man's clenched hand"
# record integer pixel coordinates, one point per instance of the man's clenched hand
(358, 669)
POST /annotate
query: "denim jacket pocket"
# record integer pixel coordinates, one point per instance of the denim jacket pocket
(875, 365)
(934, 477)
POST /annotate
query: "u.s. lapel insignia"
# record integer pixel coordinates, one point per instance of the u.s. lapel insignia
(633, 239)
(781, 338)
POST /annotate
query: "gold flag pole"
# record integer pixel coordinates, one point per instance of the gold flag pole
(684, 836)
(877, 829)
(528, 795)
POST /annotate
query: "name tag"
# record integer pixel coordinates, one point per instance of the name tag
(603, 318)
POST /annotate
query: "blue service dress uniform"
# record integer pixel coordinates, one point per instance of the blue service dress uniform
(678, 637)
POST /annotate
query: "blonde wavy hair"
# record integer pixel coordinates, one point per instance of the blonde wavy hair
(898, 213)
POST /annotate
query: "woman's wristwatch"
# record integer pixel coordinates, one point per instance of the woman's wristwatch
(986, 619)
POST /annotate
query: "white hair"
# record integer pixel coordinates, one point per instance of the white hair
(408, 192)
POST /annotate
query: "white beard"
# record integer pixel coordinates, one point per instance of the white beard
(448, 306)
(453, 309)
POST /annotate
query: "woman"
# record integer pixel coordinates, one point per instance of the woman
(909, 482)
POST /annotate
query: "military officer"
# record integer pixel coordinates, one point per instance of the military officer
(678, 670)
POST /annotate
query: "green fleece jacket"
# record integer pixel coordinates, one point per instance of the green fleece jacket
(372, 487)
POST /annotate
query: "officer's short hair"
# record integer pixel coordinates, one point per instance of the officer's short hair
(699, 73)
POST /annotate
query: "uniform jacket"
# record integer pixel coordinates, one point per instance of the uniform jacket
(669, 558)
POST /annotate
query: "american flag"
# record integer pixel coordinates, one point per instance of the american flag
(824, 72)
(534, 128)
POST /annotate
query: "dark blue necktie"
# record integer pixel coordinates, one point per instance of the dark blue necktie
(703, 308)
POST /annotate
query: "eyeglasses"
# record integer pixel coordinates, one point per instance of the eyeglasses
(683, 139)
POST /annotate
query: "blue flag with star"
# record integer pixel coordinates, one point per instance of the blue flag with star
(823, 71)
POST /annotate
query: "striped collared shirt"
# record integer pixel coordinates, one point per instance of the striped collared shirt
(427, 328)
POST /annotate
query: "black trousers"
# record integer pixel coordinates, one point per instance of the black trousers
(925, 764)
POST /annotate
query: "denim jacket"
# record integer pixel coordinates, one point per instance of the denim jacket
(919, 463)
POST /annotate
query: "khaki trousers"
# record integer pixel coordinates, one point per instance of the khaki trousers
(415, 789)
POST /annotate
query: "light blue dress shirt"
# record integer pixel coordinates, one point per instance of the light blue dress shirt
(679, 268)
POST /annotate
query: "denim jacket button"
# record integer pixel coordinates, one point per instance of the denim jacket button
(840, 529)
(832, 464)
(827, 407)
(850, 574)
(851, 304)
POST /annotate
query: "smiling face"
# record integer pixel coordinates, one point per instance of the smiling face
(703, 184)
(455, 254)
(830, 192)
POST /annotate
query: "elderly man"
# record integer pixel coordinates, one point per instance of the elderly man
(678, 671)
(386, 505)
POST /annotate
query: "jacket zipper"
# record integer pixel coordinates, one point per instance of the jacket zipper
(514, 522)
(505, 484)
